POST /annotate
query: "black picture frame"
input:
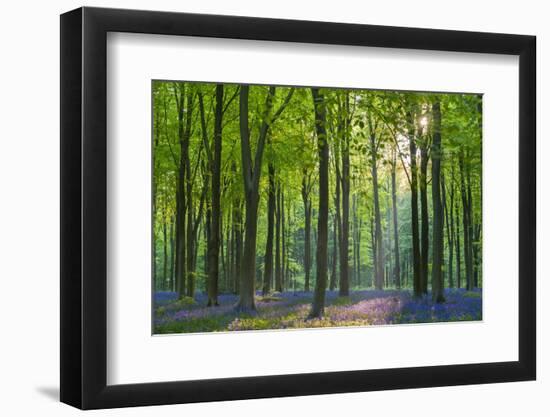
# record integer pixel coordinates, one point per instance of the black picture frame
(84, 207)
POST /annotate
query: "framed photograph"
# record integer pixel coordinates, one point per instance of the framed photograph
(259, 208)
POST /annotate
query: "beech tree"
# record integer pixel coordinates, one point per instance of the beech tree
(318, 305)
(251, 171)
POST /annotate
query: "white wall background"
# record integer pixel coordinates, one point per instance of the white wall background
(29, 211)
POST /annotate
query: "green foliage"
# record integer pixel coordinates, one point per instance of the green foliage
(376, 127)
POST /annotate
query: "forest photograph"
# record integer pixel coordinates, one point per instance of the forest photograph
(281, 207)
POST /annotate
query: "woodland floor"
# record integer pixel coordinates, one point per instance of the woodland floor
(290, 309)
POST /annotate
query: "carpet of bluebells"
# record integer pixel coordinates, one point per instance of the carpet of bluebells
(289, 310)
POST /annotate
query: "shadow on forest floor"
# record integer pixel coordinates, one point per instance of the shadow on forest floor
(290, 309)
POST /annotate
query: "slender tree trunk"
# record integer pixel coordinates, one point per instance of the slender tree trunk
(223, 256)
(237, 233)
(356, 242)
(237, 219)
(397, 270)
(466, 226)
(179, 93)
(307, 228)
(190, 237)
(289, 242)
(425, 217)
(283, 244)
(338, 206)
(318, 305)
(437, 245)
(193, 239)
(457, 246)
(229, 254)
(233, 248)
(165, 277)
(379, 275)
(180, 241)
(333, 278)
(374, 251)
(345, 179)
(268, 258)
(388, 240)
(449, 221)
(172, 254)
(188, 253)
(417, 264)
(190, 233)
(205, 254)
(473, 240)
(314, 245)
(156, 164)
(359, 278)
(475, 253)
(278, 264)
(405, 275)
(214, 241)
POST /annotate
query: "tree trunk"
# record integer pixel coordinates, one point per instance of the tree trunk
(466, 226)
(283, 244)
(232, 249)
(417, 264)
(237, 234)
(449, 227)
(238, 246)
(457, 247)
(437, 245)
(229, 254)
(180, 239)
(338, 207)
(388, 243)
(359, 278)
(268, 258)
(332, 284)
(214, 241)
(222, 256)
(373, 249)
(290, 241)
(449, 221)
(356, 242)
(190, 232)
(248, 265)
(473, 240)
(475, 253)
(165, 277)
(397, 270)
(318, 305)
(278, 264)
(307, 228)
(172, 254)
(425, 239)
(251, 178)
(179, 92)
(345, 180)
(379, 264)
